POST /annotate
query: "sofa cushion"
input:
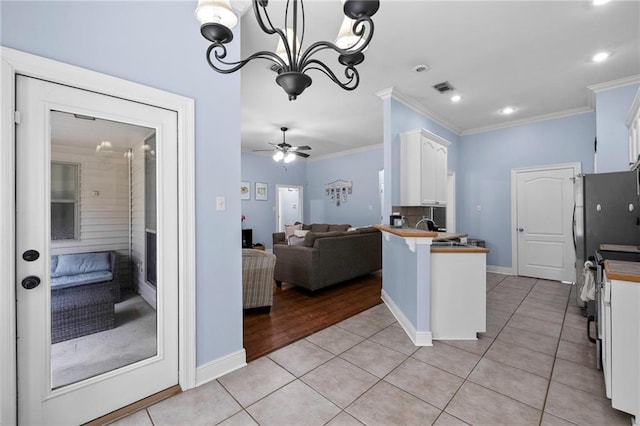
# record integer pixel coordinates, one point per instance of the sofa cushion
(73, 264)
(66, 281)
(311, 237)
(344, 227)
(319, 227)
(54, 265)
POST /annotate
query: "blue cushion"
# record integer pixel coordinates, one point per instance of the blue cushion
(73, 264)
(80, 279)
(54, 265)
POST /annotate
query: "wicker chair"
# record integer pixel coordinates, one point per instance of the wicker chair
(257, 279)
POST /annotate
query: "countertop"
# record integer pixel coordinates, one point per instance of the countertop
(622, 270)
(620, 248)
(419, 233)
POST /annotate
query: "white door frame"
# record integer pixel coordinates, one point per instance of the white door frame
(577, 168)
(17, 62)
(451, 201)
(300, 203)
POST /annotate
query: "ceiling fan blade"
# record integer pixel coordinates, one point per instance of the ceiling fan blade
(303, 147)
(300, 154)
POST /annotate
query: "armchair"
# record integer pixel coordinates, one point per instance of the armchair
(257, 279)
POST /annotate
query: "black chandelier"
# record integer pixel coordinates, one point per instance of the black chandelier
(217, 18)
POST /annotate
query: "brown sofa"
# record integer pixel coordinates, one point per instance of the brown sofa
(327, 258)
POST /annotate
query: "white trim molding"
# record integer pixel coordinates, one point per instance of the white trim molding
(419, 338)
(221, 366)
(16, 62)
(500, 270)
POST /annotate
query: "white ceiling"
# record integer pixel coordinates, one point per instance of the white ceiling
(534, 55)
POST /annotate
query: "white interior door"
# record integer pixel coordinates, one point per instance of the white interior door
(289, 202)
(41, 400)
(544, 214)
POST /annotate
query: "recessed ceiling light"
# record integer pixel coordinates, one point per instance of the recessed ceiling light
(600, 56)
(600, 2)
(421, 68)
(508, 110)
(456, 98)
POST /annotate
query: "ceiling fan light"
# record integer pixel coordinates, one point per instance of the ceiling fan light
(216, 12)
(289, 157)
(278, 156)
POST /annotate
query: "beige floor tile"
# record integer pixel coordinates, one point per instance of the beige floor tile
(579, 376)
(491, 286)
(240, 419)
(578, 335)
(365, 327)
(551, 420)
(553, 287)
(395, 338)
(535, 325)
(339, 381)
(576, 321)
(300, 357)
(545, 304)
(384, 404)
(258, 379)
(448, 420)
(294, 404)
(448, 358)
(379, 313)
(509, 381)
(523, 281)
(544, 297)
(344, 419)
(204, 405)
(428, 383)
(374, 358)
(477, 405)
(335, 339)
(508, 293)
(478, 347)
(495, 278)
(582, 408)
(500, 305)
(576, 353)
(525, 359)
(139, 418)
(528, 310)
(529, 340)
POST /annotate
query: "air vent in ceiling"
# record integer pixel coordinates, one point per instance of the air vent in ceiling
(443, 87)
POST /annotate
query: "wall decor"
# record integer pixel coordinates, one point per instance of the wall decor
(338, 190)
(261, 191)
(245, 190)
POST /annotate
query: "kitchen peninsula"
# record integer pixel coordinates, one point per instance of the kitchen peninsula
(435, 290)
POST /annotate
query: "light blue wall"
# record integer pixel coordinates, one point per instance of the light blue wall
(612, 109)
(485, 161)
(261, 215)
(158, 44)
(403, 119)
(363, 204)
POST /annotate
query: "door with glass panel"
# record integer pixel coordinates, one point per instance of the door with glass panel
(96, 225)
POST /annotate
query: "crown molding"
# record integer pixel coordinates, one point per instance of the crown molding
(342, 153)
(417, 107)
(614, 84)
(530, 120)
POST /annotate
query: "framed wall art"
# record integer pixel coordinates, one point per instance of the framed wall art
(245, 190)
(261, 191)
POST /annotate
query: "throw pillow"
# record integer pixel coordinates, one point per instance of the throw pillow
(290, 229)
(296, 241)
(73, 264)
(300, 232)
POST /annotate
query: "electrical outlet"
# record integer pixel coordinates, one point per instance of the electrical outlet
(221, 204)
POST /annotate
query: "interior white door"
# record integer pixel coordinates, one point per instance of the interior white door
(39, 400)
(544, 220)
(289, 205)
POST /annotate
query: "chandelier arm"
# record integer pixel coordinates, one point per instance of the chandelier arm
(350, 73)
(235, 66)
(256, 9)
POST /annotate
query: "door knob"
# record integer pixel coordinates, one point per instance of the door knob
(31, 255)
(520, 229)
(31, 282)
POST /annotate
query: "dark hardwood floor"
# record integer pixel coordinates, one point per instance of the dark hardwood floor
(296, 313)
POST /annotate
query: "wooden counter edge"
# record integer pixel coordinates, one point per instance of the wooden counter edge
(459, 250)
(613, 275)
(418, 233)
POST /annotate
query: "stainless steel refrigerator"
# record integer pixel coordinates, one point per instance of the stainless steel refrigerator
(607, 211)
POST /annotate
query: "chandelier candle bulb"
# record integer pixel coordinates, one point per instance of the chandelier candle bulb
(291, 60)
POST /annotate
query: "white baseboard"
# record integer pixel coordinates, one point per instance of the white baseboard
(419, 338)
(500, 270)
(219, 367)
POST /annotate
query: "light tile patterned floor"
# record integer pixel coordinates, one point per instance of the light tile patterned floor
(533, 366)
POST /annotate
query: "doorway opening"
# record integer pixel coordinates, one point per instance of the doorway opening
(289, 206)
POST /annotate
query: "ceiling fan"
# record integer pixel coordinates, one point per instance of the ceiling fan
(285, 151)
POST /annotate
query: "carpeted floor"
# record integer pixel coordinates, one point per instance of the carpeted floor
(133, 339)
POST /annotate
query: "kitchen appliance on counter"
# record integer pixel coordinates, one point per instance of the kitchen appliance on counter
(606, 210)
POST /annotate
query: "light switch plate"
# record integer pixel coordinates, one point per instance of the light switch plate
(221, 204)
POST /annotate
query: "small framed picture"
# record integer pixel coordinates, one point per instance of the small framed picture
(245, 191)
(261, 191)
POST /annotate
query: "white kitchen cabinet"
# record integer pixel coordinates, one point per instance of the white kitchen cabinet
(633, 124)
(423, 168)
(621, 340)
